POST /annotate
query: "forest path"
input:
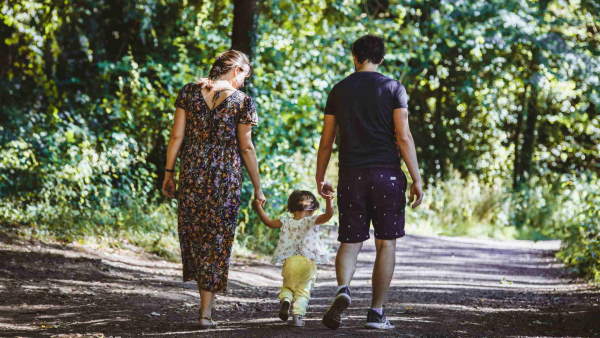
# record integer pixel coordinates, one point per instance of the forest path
(442, 286)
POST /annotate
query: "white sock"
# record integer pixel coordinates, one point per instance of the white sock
(379, 310)
(340, 287)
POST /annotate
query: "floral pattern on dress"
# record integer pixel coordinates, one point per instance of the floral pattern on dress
(300, 237)
(210, 182)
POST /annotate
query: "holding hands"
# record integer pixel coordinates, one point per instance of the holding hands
(259, 198)
(258, 203)
(325, 190)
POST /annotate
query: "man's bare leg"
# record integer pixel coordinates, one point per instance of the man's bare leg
(383, 271)
(345, 265)
(345, 262)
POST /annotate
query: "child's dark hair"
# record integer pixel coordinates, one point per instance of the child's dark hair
(369, 47)
(297, 197)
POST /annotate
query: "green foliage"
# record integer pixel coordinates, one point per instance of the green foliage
(581, 243)
(501, 92)
(465, 207)
(564, 207)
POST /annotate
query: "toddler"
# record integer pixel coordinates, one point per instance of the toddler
(299, 248)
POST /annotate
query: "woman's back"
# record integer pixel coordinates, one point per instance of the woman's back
(211, 129)
(212, 136)
(204, 118)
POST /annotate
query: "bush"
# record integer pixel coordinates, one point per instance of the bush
(564, 207)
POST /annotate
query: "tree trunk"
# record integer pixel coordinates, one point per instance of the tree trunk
(529, 137)
(524, 154)
(442, 144)
(243, 35)
(517, 139)
(157, 156)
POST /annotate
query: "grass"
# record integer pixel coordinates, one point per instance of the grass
(463, 207)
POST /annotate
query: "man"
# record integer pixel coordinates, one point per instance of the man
(369, 113)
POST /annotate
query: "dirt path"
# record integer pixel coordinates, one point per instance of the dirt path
(442, 287)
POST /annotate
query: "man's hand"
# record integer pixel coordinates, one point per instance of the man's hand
(416, 194)
(325, 189)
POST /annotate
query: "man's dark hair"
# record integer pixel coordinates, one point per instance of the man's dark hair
(369, 47)
(296, 199)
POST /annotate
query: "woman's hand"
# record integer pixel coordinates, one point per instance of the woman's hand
(256, 205)
(169, 186)
(259, 198)
(202, 81)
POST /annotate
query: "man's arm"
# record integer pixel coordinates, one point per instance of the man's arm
(324, 154)
(406, 144)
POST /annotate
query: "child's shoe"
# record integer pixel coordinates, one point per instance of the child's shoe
(297, 321)
(284, 310)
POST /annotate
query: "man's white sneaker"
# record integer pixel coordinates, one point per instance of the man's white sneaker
(333, 316)
(377, 321)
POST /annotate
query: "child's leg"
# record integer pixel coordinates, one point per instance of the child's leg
(301, 297)
(303, 275)
(286, 292)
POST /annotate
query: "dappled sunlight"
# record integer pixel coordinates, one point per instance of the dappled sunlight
(5, 326)
(116, 169)
(441, 285)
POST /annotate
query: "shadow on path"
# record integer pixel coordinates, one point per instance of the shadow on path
(442, 286)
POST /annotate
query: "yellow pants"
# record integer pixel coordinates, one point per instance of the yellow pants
(299, 274)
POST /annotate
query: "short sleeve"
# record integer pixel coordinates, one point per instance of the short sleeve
(312, 220)
(183, 97)
(400, 97)
(330, 106)
(247, 114)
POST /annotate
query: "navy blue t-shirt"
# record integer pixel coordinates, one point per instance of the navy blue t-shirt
(362, 104)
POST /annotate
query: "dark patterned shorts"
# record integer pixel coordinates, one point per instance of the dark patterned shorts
(371, 194)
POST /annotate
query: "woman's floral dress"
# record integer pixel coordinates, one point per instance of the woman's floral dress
(210, 182)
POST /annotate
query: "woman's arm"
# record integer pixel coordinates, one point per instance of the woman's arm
(271, 223)
(177, 134)
(244, 134)
(406, 144)
(328, 212)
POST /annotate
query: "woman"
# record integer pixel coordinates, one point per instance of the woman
(212, 135)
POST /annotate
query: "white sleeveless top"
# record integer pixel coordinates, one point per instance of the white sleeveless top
(300, 237)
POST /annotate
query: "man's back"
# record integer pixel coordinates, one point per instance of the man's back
(368, 111)
(362, 104)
